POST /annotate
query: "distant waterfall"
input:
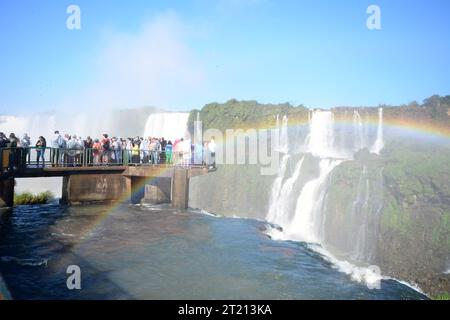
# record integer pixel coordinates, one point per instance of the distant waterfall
(170, 125)
(198, 130)
(321, 137)
(284, 142)
(358, 131)
(379, 142)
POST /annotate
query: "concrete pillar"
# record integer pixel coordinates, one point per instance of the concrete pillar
(86, 188)
(180, 188)
(7, 193)
(65, 191)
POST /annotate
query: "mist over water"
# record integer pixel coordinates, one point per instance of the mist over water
(171, 126)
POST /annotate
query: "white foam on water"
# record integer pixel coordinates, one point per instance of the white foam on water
(26, 262)
(208, 213)
(62, 234)
(367, 275)
(359, 274)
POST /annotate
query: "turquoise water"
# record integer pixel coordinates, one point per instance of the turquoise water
(132, 252)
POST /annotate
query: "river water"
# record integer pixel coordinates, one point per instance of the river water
(144, 252)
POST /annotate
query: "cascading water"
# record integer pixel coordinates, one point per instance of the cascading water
(301, 225)
(278, 183)
(358, 128)
(170, 125)
(284, 142)
(364, 213)
(321, 136)
(305, 221)
(379, 142)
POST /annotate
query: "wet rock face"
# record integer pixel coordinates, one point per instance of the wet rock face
(408, 236)
(232, 190)
(391, 210)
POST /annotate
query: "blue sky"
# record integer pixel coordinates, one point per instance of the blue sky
(183, 54)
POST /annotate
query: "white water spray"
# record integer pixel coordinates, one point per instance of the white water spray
(305, 220)
(308, 212)
(279, 202)
(358, 129)
(321, 137)
(170, 125)
(379, 142)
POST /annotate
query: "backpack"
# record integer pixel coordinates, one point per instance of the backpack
(3, 143)
(106, 144)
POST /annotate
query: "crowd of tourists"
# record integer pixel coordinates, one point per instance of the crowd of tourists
(72, 150)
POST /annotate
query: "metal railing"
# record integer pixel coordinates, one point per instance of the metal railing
(16, 159)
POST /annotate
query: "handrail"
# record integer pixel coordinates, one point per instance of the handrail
(20, 158)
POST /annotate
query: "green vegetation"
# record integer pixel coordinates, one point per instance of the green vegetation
(29, 198)
(251, 114)
(443, 296)
(244, 114)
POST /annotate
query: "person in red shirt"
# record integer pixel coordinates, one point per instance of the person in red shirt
(97, 151)
(106, 147)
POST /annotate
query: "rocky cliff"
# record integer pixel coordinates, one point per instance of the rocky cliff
(391, 210)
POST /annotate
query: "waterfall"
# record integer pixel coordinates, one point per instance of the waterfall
(198, 130)
(276, 192)
(379, 142)
(305, 226)
(298, 204)
(276, 189)
(170, 125)
(302, 221)
(321, 137)
(284, 142)
(364, 211)
(282, 193)
(358, 133)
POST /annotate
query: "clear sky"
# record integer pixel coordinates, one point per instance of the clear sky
(183, 54)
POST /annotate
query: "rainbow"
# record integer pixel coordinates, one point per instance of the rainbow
(413, 126)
